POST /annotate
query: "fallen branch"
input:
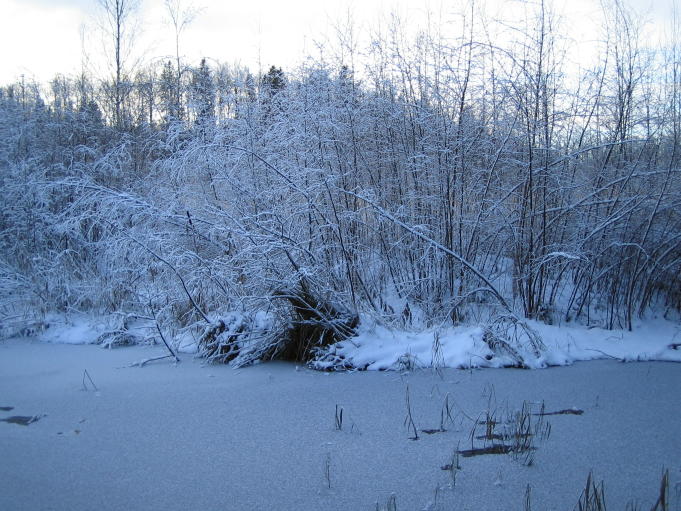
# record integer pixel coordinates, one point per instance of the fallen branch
(567, 411)
(605, 354)
(142, 363)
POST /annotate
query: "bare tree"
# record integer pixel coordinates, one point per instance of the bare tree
(181, 16)
(120, 26)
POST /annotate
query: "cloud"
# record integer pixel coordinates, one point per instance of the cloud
(84, 5)
(39, 41)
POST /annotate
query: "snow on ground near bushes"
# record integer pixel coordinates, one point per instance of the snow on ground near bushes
(650, 340)
(377, 347)
(71, 329)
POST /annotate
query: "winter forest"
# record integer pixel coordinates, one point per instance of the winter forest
(445, 179)
(367, 232)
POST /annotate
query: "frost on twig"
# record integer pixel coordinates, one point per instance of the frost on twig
(238, 338)
(508, 335)
(117, 338)
(306, 325)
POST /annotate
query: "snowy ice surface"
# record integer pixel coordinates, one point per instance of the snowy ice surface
(191, 436)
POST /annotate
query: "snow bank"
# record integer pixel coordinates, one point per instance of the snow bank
(78, 328)
(380, 348)
(650, 340)
(377, 347)
(71, 329)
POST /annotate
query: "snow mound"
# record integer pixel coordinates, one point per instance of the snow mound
(651, 340)
(72, 329)
(380, 348)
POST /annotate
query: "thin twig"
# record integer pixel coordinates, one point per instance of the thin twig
(142, 363)
(85, 373)
(172, 353)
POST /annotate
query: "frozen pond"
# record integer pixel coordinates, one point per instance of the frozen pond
(266, 437)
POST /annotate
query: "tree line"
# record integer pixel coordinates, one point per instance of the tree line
(449, 178)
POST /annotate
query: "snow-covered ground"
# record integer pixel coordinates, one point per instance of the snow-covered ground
(190, 436)
(377, 347)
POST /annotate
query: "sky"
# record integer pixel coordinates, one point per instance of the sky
(41, 38)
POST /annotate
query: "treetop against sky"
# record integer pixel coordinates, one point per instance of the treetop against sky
(48, 37)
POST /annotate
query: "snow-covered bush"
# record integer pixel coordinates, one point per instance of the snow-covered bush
(404, 191)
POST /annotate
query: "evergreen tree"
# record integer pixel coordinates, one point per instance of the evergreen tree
(274, 80)
(203, 94)
(169, 101)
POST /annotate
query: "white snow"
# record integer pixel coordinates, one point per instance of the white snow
(377, 347)
(190, 436)
(71, 329)
(380, 348)
(650, 340)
